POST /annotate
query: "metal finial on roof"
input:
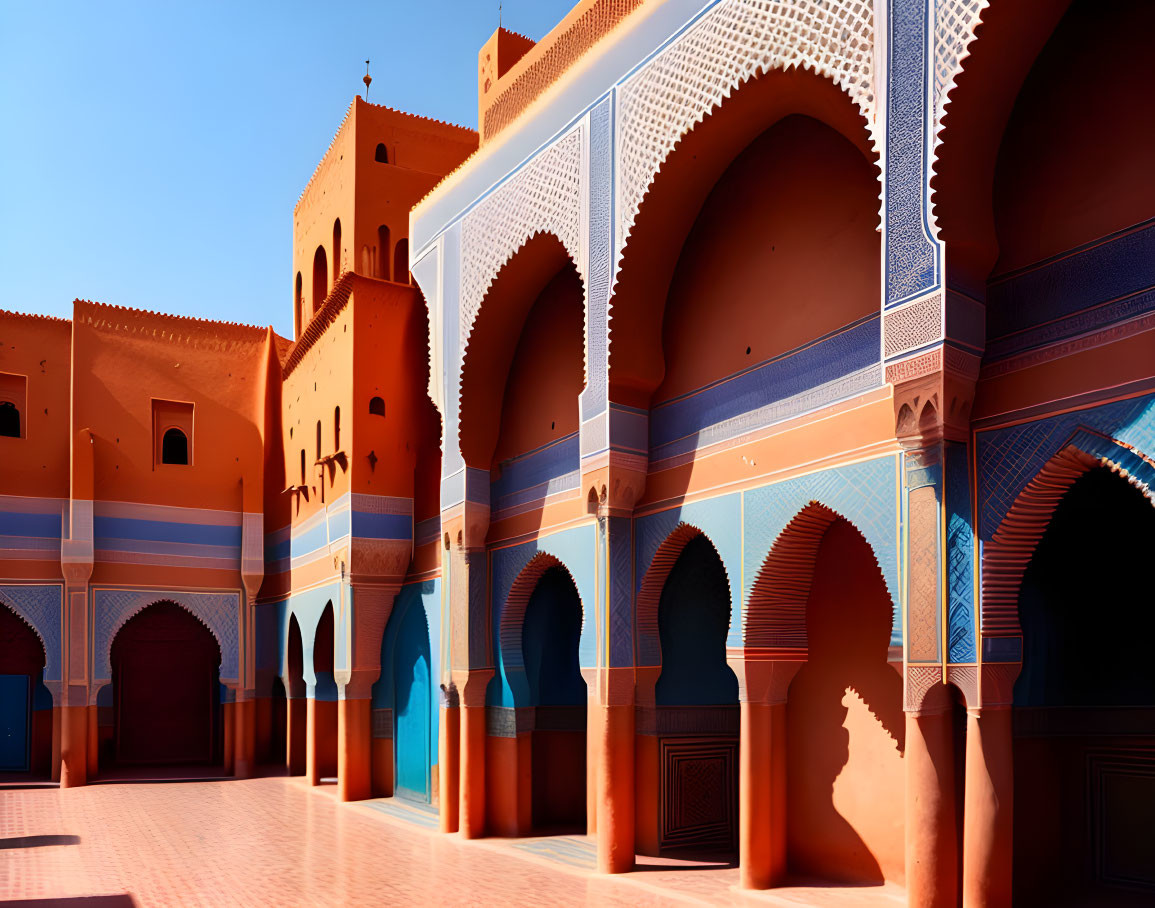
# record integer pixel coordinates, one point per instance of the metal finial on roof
(499, 15)
(367, 79)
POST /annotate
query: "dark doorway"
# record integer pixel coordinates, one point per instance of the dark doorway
(25, 705)
(549, 640)
(165, 674)
(697, 707)
(1085, 703)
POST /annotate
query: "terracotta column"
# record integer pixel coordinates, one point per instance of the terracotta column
(472, 685)
(245, 736)
(313, 741)
(354, 736)
(93, 740)
(931, 830)
(448, 762)
(763, 683)
(295, 731)
(613, 727)
(988, 841)
(229, 721)
(74, 712)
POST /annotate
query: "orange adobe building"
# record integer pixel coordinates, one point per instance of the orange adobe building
(742, 446)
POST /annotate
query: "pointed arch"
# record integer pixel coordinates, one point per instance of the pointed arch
(1006, 555)
(492, 344)
(662, 211)
(513, 616)
(654, 580)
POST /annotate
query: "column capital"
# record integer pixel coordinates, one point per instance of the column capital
(764, 677)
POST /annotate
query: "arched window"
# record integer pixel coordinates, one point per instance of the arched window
(377, 407)
(9, 420)
(401, 262)
(174, 447)
(298, 315)
(381, 155)
(336, 428)
(320, 278)
(383, 252)
(336, 249)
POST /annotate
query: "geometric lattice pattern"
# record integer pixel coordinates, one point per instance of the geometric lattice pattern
(219, 612)
(544, 196)
(1009, 458)
(912, 326)
(865, 494)
(954, 29)
(733, 42)
(699, 793)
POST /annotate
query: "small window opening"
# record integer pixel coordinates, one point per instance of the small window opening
(747, 351)
(320, 278)
(318, 439)
(377, 407)
(383, 252)
(381, 155)
(401, 263)
(336, 428)
(336, 249)
(174, 447)
(298, 302)
(9, 420)
(303, 466)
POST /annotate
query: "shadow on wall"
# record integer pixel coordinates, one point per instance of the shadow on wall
(845, 726)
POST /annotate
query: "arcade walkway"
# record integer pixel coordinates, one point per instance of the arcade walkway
(274, 842)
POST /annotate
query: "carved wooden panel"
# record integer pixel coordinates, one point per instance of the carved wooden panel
(1122, 800)
(699, 806)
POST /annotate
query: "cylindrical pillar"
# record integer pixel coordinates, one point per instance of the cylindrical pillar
(472, 816)
(245, 738)
(762, 795)
(988, 840)
(56, 713)
(615, 787)
(295, 730)
(73, 746)
(93, 741)
(448, 767)
(229, 718)
(312, 742)
(354, 725)
(931, 831)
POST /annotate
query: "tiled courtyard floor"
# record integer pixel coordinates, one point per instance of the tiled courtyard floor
(275, 842)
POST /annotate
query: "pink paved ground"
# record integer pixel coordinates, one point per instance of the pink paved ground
(275, 842)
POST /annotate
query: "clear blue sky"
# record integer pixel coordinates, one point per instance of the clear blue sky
(151, 152)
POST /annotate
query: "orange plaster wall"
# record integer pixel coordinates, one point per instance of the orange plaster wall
(389, 362)
(845, 725)
(1107, 366)
(1075, 161)
(864, 426)
(329, 195)
(39, 349)
(548, 371)
(783, 251)
(321, 381)
(129, 358)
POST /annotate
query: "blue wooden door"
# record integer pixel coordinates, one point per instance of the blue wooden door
(14, 722)
(411, 712)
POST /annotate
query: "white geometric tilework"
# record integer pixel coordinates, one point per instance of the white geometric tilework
(545, 196)
(954, 29)
(731, 43)
(39, 606)
(219, 612)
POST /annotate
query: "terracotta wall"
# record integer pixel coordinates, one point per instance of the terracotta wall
(783, 251)
(38, 349)
(845, 726)
(1075, 160)
(547, 373)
